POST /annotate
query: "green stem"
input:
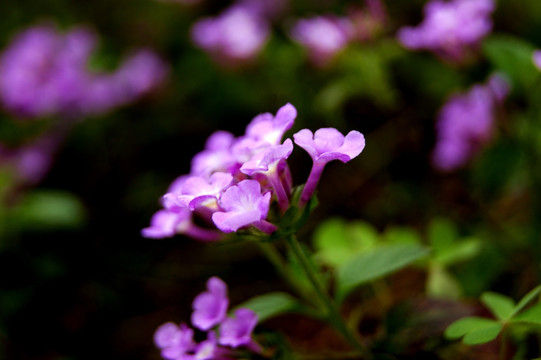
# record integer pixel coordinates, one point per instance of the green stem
(276, 259)
(333, 314)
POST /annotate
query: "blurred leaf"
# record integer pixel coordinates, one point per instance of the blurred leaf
(460, 251)
(531, 315)
(271, 304)
(475, 330)
(514, 57)
(336, 241)
(441, 284)
(500, 305)
(441, 234)
(374, 264)
(49, 210)
(527, 298)
(401, 235)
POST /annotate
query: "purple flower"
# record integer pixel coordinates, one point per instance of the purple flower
(271, 129)
(323, 36)
(237, 331)
(217, 155)
(267, 163)
(165, 223)
(45, 73)
(244, 205)
(465, 122)
(451, 28)
(210, 307)
(325, 145)
(238, 34)
(198, 191)
(175, 342)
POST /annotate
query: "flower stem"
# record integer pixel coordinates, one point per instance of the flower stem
(333, 314)
(276, 259)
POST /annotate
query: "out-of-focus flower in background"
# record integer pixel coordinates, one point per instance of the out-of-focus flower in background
(323, 36)
(466, 122)
(450, 29)
(235, 36)
(44, 73)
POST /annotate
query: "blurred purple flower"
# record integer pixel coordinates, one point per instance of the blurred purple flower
(175, 342)
(210, 307)
(271, 129)
(216, 156)
(536, 57)
(44, 73)
(451, 29)
(465, 123)
(244, 205)
(325, 145)
(322, 36)
(236, 35)
(237, 331)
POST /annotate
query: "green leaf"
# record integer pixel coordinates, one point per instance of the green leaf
(531, 315)
(374, 264)
(49, 210)
(500, 305)
(460, 251)
(475, 330)
(337, 241)
(271, 304)
(513, 56)
(527, 299)
(483, 335)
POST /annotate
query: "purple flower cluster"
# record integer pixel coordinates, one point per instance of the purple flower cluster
(466, 122)
(451, 29)
(234, 180)
(209, 313)
(536, 58)
(45, 73)
(326, 35)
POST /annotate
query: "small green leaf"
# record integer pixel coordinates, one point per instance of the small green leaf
(271, 304)
(531, 315)
(526, 299)
(475, 330)
(374, 264)
(500, 305)
(482, 335)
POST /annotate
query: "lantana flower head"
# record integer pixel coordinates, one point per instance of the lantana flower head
(451, 29)
(44, 72)
(234, 181)
(209, 315)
